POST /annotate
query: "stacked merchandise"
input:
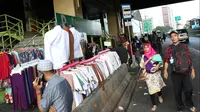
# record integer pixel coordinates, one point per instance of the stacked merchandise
(87, 75)
(13, 61)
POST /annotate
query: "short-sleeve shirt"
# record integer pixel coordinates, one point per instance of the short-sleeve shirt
(169, 52)
(57, 94)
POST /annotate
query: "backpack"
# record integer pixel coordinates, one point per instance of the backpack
(182, 61)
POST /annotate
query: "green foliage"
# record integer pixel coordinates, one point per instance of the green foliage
(164, 29)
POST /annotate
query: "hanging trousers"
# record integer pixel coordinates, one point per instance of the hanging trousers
(182, 82)
(27, 87)
(30, 74)
(19, 91)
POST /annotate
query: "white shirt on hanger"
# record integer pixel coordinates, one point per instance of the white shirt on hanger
(77, 45)
(56, 46)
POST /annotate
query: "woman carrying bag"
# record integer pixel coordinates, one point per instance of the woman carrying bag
(151, 62)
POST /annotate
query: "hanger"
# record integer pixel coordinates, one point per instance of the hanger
(16, 70)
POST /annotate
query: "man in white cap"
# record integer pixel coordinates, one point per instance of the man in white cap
(57, 94)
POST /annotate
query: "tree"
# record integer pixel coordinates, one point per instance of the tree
(164, 29)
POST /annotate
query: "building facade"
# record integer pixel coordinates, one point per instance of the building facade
(167, 16)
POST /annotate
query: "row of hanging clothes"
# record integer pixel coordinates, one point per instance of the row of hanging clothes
(22, 77)
(11, 60)
(85, 76)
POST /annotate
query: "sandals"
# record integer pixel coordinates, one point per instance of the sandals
(160, 99)
(154, 108)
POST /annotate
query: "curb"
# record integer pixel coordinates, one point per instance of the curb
(127, 96)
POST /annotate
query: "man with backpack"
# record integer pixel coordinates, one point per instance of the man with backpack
(179, 58)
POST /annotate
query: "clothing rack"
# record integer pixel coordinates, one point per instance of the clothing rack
(76, 63)
(84, 61)
(104, 51)
(69, 66)
(89, 60)
(24, 61)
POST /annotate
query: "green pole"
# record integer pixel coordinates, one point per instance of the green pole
(6, 19)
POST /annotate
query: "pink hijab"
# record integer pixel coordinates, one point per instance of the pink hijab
(151, 52)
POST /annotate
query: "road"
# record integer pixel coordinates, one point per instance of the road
(141, 102)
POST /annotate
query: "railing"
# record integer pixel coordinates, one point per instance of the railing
(11, 29)
(105, 34)
(35, 25)
(41, 31)
(31, 40)
(48, 26)
(40, 26)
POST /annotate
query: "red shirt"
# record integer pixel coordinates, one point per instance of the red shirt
(169, 51)
(5, 67)
(129, 50)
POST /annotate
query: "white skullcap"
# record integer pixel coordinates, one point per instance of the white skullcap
(45, 65)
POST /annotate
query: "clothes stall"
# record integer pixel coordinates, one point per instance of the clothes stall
(17, 70)
(18, 56)
(85, 76)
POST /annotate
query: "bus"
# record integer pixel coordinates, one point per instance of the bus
(195, 23)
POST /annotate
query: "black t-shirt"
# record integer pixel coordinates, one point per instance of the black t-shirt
(122, 52)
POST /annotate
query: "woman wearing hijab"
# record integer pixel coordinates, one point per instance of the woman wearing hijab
(153, 77)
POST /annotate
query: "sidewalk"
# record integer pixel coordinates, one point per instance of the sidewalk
(9, 108)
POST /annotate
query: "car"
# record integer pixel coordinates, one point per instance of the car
(183, 35)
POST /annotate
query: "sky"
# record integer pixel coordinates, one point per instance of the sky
(187, 11)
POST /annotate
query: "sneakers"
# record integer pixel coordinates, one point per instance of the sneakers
(193, 109)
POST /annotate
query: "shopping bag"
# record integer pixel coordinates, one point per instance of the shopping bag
(134, 64)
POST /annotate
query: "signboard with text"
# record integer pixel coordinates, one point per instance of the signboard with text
(128, 23)
(126, 11)
(147, 24)
(82, 25)
(177, 18)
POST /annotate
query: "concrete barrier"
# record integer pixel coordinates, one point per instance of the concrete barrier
(127, 96)
(106, 100)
